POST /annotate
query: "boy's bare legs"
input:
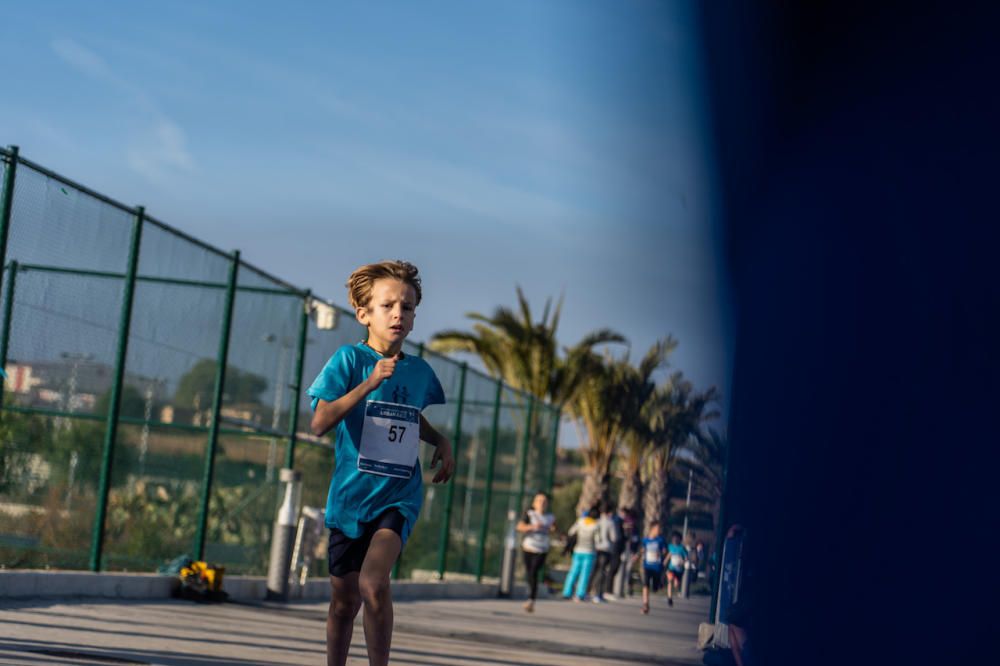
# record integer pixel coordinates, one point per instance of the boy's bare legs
(344, 605)
(645, 598)
(373, 583)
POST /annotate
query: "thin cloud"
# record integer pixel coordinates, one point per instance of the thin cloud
(162, 150)
(471, 192)
(159, 151)
(84, 60)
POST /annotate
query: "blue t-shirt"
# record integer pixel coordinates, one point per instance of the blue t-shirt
(653, 552)
(356, 496)
(676, 554)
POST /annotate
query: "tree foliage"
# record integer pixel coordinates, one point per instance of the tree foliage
(197, 386)
(610, 403)
(617, 403)
(524, 352)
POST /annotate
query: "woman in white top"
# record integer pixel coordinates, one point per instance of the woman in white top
(536, 525)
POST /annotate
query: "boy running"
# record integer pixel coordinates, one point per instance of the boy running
(373, 395)
(653, 552)
(677, 557)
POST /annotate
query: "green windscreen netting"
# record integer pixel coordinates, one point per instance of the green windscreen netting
(62, 293)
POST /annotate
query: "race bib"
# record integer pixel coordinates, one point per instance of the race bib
(653, 553)
(676, 561)
(390, 439)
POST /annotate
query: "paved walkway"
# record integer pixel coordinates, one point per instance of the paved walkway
(428, 633)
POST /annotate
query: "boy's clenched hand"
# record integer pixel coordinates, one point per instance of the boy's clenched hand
(382, 371)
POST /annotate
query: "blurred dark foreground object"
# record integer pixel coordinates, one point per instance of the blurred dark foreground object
(857, 149)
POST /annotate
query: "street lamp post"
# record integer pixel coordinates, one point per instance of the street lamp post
(69, 393)
(147, 417)
(63, 422)
(279, 396)
(685, 581)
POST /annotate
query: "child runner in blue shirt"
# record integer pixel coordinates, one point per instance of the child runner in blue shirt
(677, 557)
(373, 395)
(654, 550)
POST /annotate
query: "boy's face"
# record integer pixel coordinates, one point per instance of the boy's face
(389, 314)
(654, 531)
(540, 503)
(676, 539)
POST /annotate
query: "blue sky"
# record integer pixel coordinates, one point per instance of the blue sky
(556, 145)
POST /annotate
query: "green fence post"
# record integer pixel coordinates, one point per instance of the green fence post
(111, 427)
(555, 448)
(525, 445)
(7, 202)
(213, 430)
(450, 493)
(491, 460)
(300, 359)
(8, 308)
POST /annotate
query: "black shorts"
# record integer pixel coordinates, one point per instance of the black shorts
(345, 555)
(652, 578)
(676, 574)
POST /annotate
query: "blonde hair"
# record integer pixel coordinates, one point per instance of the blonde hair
(361, 284)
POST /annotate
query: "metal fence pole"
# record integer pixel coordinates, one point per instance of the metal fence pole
(213, 430)
(300, 359)
(111, 427)
(7, 202)
(450, 493)
(715, 574)
(555, 448)
(8, 308)
(525, 447)
(491, 460)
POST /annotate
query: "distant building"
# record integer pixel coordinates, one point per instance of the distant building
(72, 384)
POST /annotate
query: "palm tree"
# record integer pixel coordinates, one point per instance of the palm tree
(610, 404)
(705, 457)
(639, 443)
(708, 454)
(525, 353)
(682, 411)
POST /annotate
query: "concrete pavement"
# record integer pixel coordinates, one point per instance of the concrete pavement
(445, 632)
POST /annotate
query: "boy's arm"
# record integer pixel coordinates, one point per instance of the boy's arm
(442, 450)
(329, 414)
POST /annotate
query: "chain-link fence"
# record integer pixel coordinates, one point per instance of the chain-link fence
(124, 445)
